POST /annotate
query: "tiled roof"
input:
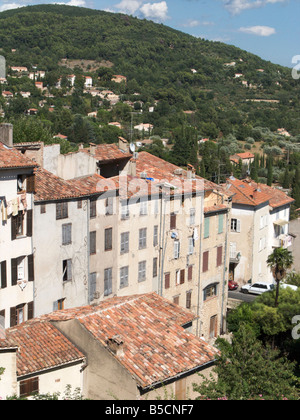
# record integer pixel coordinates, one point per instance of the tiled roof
(245, 155)
(251, 193)
(50, 187)
(155, 346)
(41, 346)
(108, 152)
(246, 194)
(12, 158)
(92, 184)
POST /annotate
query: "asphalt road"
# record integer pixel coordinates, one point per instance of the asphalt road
(241, 296)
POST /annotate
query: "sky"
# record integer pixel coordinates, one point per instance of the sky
(267, 28)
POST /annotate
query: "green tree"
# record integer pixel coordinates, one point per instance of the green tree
(279, 261)
(248, 370)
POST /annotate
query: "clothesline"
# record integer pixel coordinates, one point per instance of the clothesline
(12, 207)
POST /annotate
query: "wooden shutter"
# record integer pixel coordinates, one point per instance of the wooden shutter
(190, 273)
(173, 221)
(29, 223)
(3, 275)
(93, 248)
(188, 300)
(30, 268)
(182, 276)
(30, 310)
(30, 184)
(108, 239)
(167, 280)
(13, 228)
(14, 271)
(205, 261)
(13, 317)
(219, 255)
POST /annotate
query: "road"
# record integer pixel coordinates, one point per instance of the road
(241, 296)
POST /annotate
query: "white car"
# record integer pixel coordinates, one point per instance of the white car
(285, 286)
(257, 288)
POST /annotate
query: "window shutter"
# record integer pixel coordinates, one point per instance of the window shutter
(13, 317)
(219, 255)
(205, 261)
(167, 280)
(92, 286)
(93, 243)
(14, 271)
(30, 184)
(30, 310)
(221, 222)
(13, 228)
(238, 226)
(3, 275)
(182, 276)
(206, 227)
(108, 239)
(190, 273)
(173, 221)
(30, 268)
(29, 223)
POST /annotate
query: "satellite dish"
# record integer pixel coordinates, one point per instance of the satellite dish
(132, 147)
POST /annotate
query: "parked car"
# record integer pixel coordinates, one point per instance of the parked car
(285, 286)
(232, 285)
(257, 288)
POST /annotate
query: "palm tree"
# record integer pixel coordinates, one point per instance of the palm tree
(279, 261)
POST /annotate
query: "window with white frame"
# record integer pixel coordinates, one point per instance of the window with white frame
(143, 207)
(142, 238)
(235, 225)
(191, 245)
(124, 277)
(142, 271)
(124, 242)
(176, 249)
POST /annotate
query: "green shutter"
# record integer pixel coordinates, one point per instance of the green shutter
(206, 227)
(221, 221)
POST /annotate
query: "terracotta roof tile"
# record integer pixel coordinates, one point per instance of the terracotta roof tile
(40, 346)
(108, 152)
(156, 347)
(12, 158)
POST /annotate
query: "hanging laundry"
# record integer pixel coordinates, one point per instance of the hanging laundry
(15, 207)
(3, 211)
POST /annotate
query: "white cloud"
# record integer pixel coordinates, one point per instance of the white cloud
(236, 7)
(156, 11)
(9, 6)
(129, 6)
(258, 30)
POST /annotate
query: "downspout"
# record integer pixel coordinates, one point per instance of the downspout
(224, 273)
(88, 247)
(198, 327)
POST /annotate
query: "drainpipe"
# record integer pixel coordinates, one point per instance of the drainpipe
(224, 273)
(88, 247)
(198, 325)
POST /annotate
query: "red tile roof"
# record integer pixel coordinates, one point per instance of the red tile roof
(251, 193)
(41, 346)
(156, 348)
(12, 158)
(108, 153)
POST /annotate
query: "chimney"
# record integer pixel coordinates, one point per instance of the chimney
(191, 173)
(93, 149)
(123, 145)
(115, 345)
(6, 134)
(81, 146)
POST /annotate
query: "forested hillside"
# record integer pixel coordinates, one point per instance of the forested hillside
(186, 88)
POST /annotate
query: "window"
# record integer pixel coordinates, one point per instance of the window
(124, 277)
(67, 270)
(20, 183)
(191, 245)
(43, 209)
(173, 221)
(167, 280)
(220, 223)
(124, 211)
(107, 281)
(176, 250)
(176, 300)
(188, 299)
(180, 277)
(205, 261)
(30, 184)
(108, 239)
(143, 208)
(61, 211)
(213, 327)
(154, 267)
(235, 225)
(210, 291)
(219, 255)
(3, 274)
(206, 227)
(30, 310)
(79, 204)
(109, 206)
(17, 225)
(92, 286)
(155, 235)
(29, 387)
(93, 209)
(16, 315)
(192, 216)
(21, 268)
(67, 234)
(142, 238)
(124, 242)
(142, 271)
(60, 304)
(93, 246)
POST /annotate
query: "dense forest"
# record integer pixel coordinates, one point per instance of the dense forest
(187, 88)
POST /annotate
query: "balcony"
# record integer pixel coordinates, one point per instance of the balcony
(234, 257)
(283, 241)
